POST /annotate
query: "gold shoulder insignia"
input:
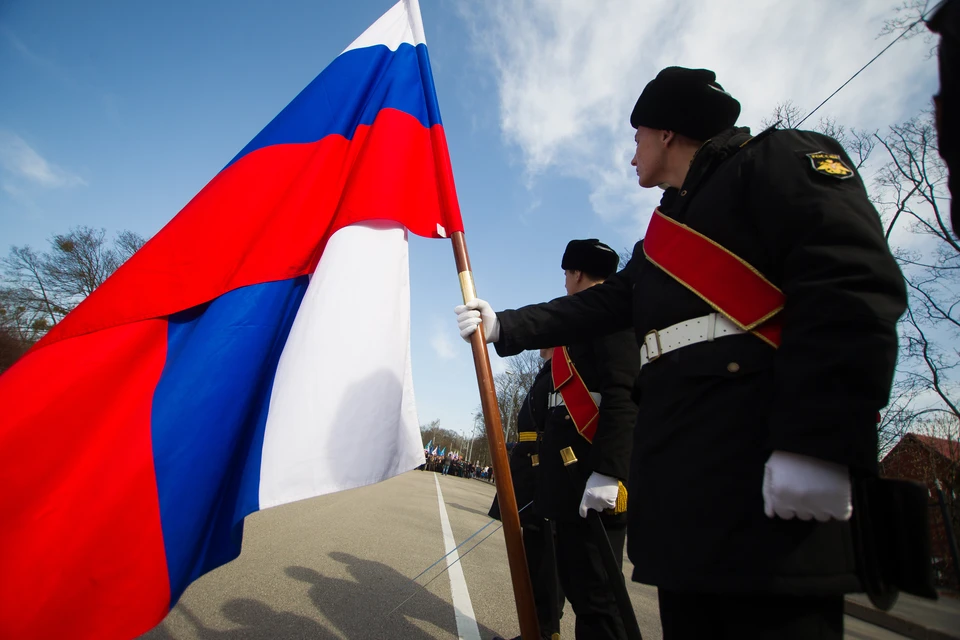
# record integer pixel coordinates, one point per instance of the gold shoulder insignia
(830, 164)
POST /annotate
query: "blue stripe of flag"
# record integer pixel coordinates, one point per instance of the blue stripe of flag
(351, 92)
(208, 418)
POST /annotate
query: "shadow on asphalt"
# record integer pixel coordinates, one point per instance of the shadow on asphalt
(485, 514)
(257, 620)
(361, 608)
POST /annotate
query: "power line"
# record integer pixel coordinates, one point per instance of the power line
(459, 558)
(903, 33)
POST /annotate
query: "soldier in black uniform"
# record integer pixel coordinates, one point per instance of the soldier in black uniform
(740, 482)
(608, 366)
(538, 536)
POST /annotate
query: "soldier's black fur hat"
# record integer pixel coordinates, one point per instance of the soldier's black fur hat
(591, 257)
(687, 101)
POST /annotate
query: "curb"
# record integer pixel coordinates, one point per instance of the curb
(894, 623)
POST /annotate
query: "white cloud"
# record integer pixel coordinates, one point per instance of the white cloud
(497, 364)
(568, 73)
(20, 47)
(21, 161)
(31, 56)
(12, 190)
(442, 343)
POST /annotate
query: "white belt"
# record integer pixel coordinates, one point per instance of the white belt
(703, 329)
(554, 399)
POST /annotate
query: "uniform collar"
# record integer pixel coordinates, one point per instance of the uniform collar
(705, 161)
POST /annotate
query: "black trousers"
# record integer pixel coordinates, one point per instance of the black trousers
(718, 616)
(584, 580)
(542, 564)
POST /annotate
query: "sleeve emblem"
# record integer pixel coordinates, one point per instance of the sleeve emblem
(830, 164)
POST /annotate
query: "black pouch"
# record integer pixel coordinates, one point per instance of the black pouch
(891, 532)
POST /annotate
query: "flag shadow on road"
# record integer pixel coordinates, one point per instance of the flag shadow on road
(361, 608)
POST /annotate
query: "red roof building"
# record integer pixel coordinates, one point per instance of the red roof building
(928, 460)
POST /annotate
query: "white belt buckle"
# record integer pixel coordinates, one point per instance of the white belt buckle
(656, 341)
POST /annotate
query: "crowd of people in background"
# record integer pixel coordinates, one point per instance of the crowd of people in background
(453, 466)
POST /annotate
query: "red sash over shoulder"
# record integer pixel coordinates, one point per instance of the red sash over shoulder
(580, 404)
(723, 280)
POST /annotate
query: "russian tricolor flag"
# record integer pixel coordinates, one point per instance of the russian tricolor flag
(233, 360)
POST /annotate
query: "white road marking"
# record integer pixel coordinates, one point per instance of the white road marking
(467, 628)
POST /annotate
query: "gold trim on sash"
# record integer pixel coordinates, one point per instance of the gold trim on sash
(571, 406)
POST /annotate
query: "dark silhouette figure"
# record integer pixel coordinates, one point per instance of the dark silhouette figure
(257, 620)
(361, 608)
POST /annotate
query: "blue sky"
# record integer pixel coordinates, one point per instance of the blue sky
(114, 114)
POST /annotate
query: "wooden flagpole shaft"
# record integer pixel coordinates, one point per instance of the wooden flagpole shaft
(509, 515)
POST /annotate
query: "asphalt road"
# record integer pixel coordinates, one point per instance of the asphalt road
(340, 566)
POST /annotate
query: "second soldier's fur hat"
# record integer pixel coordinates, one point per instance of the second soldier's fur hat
(591, 257)
(687, 101)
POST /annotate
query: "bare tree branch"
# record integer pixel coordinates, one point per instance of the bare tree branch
(785, 116)
(911, 12)
(38, 289)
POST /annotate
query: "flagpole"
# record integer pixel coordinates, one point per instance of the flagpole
(509, 515)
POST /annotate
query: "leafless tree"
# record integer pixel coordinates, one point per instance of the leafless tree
(512, 386)
(28, 298)
(430, 430)
(443, 439)
(909, 15)
(858, 143)
(39, 288)
(127, 244)
(902, 415)
(11, 347)
(78, 263)
(910, 191)
(786, 115)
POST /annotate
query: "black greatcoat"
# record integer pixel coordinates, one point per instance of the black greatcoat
(532, 417)
(608, 365)
(705, 428)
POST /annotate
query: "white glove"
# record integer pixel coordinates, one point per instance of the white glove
(473, 313)
(800, 486)
(601, 493)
